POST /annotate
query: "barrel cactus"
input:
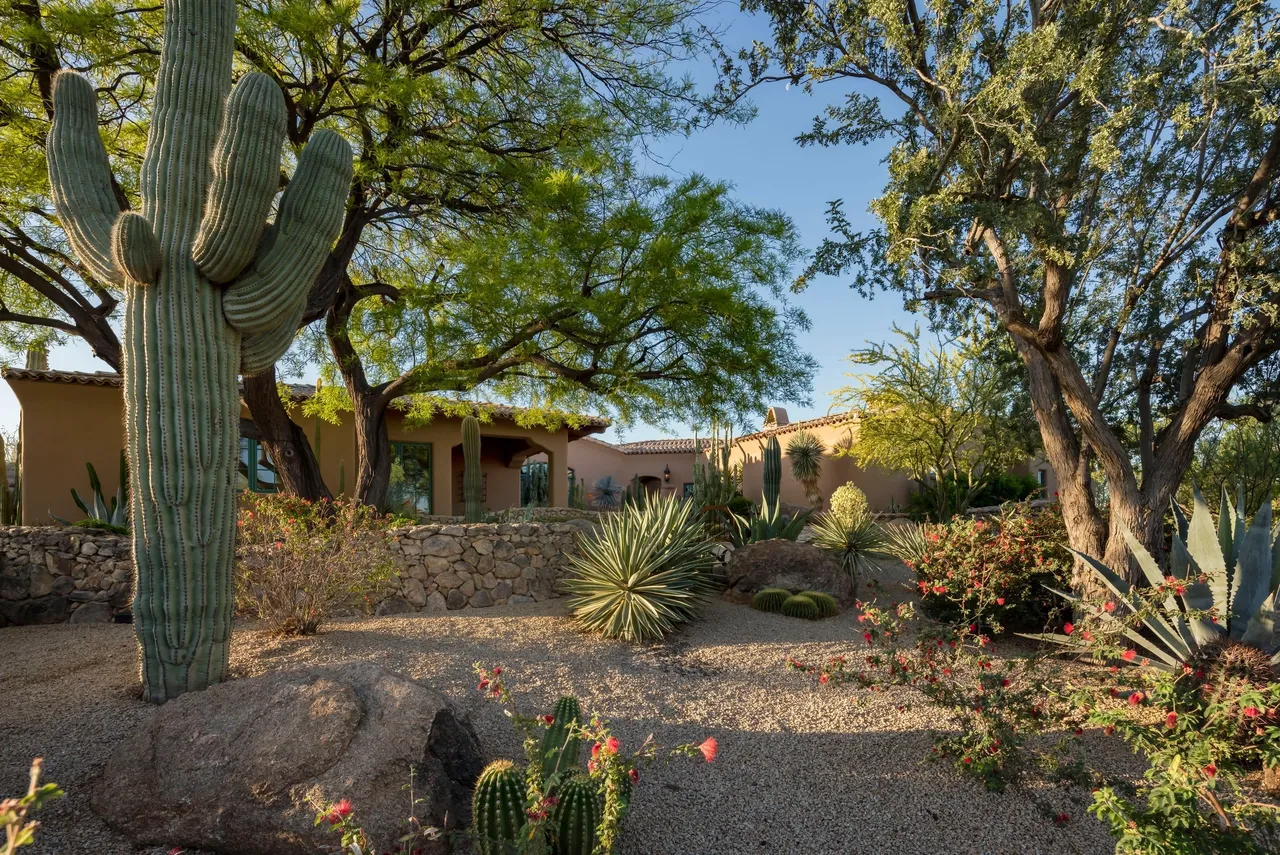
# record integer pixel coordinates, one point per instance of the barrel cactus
(472, 478)
(827, 605)
(560, 743)
(770, 599)
(211, 290)
(800, 606)
(772, 465)
(497, 809)
(576, 818)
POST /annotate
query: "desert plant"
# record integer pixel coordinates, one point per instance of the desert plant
(114, 514)
(827, 605)
(908, 542)
(635, 495)
(497, 809)
(300, 562)
(534, 489)
(641, 572)
(799, 606)
(856, 540)
(472, 478)
(716, 483)
(576, 817)
(210, 292)
(805, 452)
(848, 502)
(578, 496)
(742, 506)
(770, 599)
(1220, 591)
(771, 470)
(768, 524)
(559, 750)
(19, 831)
(11, 497)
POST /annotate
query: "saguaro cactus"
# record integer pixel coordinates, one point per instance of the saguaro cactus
(210, 290)
(472, 479)
(772, 471)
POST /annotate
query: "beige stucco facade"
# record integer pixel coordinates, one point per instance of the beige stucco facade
(70, 418)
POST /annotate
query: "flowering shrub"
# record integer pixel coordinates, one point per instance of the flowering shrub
(299, 562)
(991, 707)
(341, 817)
(994, 572)
(13, 812)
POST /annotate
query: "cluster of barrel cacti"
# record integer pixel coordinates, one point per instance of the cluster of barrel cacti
(565, 809)
(772, 469)
(472, 478)
(809, 605)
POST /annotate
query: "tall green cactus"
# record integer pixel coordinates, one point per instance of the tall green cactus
(8, 496)
(472, 478)
(210, 290)
(497, 809)
(576, 818)
(772, 471)
(560, 744)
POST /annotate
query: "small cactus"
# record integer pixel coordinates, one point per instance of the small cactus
(497, 809)
(472, 478)
(827, 605)
(560, 744)
(576, 818)
(772, 464)
(770, 599)
(800, 606)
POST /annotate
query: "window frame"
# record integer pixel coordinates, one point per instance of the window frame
(252, 446)
(397, 456)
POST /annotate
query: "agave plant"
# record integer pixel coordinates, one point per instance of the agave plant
(1220, 592)
(642, 572)
(114, 512)
(856, 540)
(768, 524)
(805, 453)
(605, 493)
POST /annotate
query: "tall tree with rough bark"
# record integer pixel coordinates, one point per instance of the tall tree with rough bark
(642, 298)
(1099, 179)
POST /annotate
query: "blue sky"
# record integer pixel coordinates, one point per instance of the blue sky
(768, 168)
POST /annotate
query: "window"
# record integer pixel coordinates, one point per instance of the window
(256, 471)
(1043, 476)
(688, 490)
(411, 485)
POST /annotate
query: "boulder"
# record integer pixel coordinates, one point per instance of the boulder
(393, 606)
(786, 564)
(91, 613)
(240, 768)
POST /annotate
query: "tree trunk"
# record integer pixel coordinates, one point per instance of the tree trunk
(373, 449)
(285, 440)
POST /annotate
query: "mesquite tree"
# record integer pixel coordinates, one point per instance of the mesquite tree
(1100, 180)
(211, 290)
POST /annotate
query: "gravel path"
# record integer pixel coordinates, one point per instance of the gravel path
(799, 770)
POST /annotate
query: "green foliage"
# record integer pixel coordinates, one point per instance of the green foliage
(472, 477)
(827, 605)
(497, 809)
(856, 541)
(771, 464)
(805, 451)
(907, 542)
(716, 483)
(560, 744)
(114, 514)
(576, 817)
(1243, 455)
(768, 524)
(770, 599)
(19, 831)
(998, 572)
(848, 503)
(741, 506)
(635, 494)
(102, 525)
(800, 606)
(605, 494)
(1220, 583)
(641, 572)
(10, 497)
(534, 489)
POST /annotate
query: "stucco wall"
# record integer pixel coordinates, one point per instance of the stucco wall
(591, 461)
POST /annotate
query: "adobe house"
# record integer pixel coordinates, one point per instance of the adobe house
(70, 418)
(665, 466)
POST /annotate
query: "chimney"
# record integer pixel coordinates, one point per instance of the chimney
(776, 418)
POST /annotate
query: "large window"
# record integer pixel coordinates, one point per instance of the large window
(413, 490)
(256, 471)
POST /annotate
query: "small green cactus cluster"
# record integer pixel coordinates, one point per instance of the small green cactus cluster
(772, 465)
(809, 605)
(499, 817)
(11, 497)
(472, 478)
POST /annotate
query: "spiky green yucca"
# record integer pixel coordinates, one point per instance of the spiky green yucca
(907, 542)
(560, 744)
(472, 477)
(805, 452)
(856, 542)
(641, 572)
(771, 465)
(770, 599)
(1240, 564)
(827, 605)
(497, 809)
(800, 606)
(576, 818)
(211, 290)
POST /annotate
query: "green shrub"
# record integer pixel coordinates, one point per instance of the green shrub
(742, 506)
(996, 569)
(770, 599)
(800, 606)
(642, 572)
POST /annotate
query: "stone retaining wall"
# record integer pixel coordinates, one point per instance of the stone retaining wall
(53, 574)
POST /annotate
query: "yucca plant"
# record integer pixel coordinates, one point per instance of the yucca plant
(907, 542)
(1217, 600)
(642, 572)
(805, 453)
(856, 541)
(768, 524)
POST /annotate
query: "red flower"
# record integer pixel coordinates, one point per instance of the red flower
(1128, 655)
(1136, 698)
(482, 685)
(709, 748)
(635, 776)
(1171, 720)
(612, 744)
(968, 760)
(822, 679)
(1251, 712)
(1110, 607)
(1068, 628)
(549, 719)
(339, 812)
(595, 750)
(1061, 819)
(1211, 770)
(867, 636)
(999, 601)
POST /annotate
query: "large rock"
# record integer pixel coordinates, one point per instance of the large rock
(239, 768)
(785, 564)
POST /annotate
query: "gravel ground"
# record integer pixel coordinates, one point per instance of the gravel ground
(799, 770)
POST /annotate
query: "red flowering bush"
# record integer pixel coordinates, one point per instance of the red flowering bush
(341, 817)
(299, 562)
(994, 571)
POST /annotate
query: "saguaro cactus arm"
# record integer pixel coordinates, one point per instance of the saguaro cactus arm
(80, 176)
